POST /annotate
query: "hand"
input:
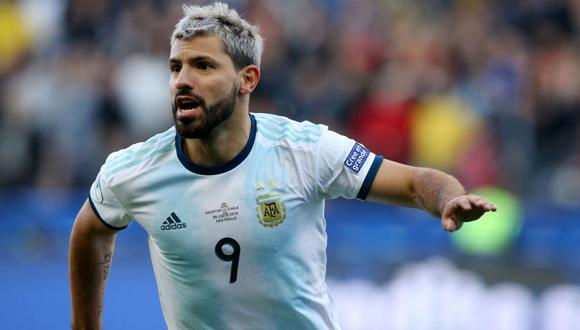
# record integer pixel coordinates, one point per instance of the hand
(462, 209)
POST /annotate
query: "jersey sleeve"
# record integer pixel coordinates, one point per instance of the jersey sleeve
(107, 205)
(346, 168)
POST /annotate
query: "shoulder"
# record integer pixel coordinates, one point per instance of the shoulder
(279, 130)
(142, 153)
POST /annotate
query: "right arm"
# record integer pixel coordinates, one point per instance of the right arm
(90, 255)
(428, 189)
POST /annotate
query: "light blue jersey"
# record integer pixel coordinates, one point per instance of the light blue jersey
(241, 245)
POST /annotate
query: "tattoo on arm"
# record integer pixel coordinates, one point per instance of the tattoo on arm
(106, 264)
(105, 267)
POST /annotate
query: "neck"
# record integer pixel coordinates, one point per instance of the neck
(224, 143)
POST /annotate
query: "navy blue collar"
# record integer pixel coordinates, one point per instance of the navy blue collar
(211, 170)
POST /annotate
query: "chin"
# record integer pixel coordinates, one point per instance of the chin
(191, 135)
(191, 132)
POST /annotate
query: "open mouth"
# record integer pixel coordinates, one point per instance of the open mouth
(187, 103)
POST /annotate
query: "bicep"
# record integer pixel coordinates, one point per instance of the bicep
(394, 184)
(87, 222)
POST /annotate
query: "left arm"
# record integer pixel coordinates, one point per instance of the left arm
(431, 190)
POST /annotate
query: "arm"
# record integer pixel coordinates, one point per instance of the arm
(430, 190)
(90, 255)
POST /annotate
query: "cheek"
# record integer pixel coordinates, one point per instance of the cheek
(215, 91)
(226, 86)
(172, 88)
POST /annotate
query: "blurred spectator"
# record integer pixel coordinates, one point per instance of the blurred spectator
(383, 118)
(478, 164)
(141, 83)
(443, 127)
(556, 107)
(565, 183)
(15, 38)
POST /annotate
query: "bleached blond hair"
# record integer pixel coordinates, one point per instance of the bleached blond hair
(242, 40)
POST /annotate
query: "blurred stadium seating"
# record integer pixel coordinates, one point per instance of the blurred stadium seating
(486, 90)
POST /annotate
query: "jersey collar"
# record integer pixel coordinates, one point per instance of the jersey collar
(212, 170)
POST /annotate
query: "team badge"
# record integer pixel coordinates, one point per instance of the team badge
(271, 209)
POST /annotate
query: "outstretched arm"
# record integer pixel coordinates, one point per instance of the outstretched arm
(433, 191)
(90, 255)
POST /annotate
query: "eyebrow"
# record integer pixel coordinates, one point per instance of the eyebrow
(193, 59)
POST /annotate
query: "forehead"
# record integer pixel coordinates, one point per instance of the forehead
(203, 45)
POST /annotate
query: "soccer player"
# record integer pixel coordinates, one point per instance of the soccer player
(233, 201)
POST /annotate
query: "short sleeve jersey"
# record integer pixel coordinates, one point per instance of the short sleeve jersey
(241, 245)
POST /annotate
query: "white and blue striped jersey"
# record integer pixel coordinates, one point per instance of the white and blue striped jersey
(241, 245)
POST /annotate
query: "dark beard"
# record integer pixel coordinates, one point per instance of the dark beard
(215, 114)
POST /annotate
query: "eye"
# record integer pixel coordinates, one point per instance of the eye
(174, 68)
(204, 65)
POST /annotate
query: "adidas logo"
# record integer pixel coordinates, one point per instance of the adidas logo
(173, 223)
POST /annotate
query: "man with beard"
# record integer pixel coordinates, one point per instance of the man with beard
(233, 201)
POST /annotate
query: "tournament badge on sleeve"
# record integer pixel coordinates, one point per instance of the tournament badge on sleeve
(271, 210)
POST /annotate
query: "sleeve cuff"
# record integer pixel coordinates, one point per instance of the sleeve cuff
(101, 218)
(367, 183)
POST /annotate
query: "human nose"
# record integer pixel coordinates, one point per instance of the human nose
(184, 79)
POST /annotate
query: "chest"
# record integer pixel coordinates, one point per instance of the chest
(262, 208)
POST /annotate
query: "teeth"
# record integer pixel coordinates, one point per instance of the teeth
(188, 105)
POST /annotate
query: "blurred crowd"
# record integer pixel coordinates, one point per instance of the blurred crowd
(486, 90)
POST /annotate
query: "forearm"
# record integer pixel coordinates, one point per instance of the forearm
(432, 189)
(89, 264)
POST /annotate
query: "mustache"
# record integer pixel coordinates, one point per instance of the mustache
(186, 91)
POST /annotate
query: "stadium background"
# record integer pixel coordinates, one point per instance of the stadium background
(486, 90)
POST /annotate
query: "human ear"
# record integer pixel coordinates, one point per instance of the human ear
(250, 75)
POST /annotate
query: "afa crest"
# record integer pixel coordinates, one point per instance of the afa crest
(271, 209)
